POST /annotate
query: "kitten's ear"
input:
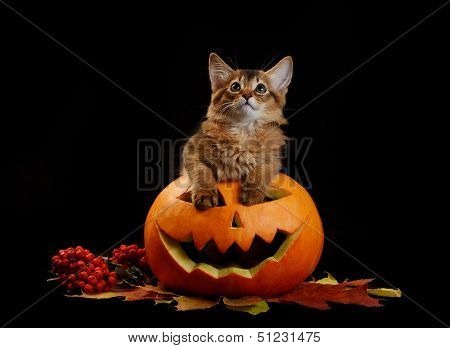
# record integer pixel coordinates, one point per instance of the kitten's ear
(281, 74)
(219, 71)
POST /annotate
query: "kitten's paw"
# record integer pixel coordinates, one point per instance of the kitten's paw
(251, 196)
(205, 199)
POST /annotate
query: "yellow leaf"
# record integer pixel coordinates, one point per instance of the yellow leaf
(241, 302)
(328, 280)
(384, 292)
(189, 303)
(254, 309)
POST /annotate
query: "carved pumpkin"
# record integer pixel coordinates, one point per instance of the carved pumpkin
(234, 250)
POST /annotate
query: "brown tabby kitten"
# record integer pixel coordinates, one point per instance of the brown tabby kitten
(241, 137)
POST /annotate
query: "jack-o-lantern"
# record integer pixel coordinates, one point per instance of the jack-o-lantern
(234, 250)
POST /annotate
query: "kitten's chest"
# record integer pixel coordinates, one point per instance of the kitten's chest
(234, 160)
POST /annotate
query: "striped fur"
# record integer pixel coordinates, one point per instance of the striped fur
(241, 137)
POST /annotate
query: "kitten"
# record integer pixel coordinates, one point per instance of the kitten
(241, 137)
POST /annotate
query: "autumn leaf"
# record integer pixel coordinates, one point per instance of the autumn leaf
(131, 294)
(383, 292)
(329, 279)
(358, 282)
(239, 302)
(318, 294)
(189, 303)
(315, 294)
(253, 305)
(156, 293)
(253, 309)
(158, 288)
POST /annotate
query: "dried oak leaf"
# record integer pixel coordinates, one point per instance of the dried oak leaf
(329, 279)
(239, 302)
(318, 295)
(253, 309)
(189, 303)
(384, 292)
(253, 305)
(380, 292)
(147, 292)
(156, 293)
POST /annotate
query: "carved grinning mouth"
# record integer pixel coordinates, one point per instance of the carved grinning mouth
(218, 265)
(234, 256)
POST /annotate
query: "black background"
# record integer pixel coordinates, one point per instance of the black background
(69, 140)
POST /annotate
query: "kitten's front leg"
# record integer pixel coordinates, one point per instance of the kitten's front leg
(251, 195)
(205, 199)
(203, 181)
(204, 186)
(253, 187)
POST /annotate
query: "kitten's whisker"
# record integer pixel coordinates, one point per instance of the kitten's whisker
(231, 109)
(270, 62)
(234, 66)
(224, 107)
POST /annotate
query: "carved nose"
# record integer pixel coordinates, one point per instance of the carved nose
(247, 95)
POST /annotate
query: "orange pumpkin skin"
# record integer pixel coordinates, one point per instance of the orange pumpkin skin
(171, 220)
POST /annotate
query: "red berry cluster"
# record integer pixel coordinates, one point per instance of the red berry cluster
(130, 255)
(79, 268)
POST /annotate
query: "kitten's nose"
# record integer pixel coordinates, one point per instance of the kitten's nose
(247, 95)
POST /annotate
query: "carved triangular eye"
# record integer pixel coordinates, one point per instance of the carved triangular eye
(221, 199)
(187, 197)
(274, 193)
(236, 222)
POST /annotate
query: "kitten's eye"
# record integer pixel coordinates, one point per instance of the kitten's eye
(235, 87)
(261, 88)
